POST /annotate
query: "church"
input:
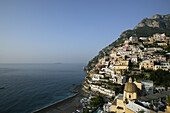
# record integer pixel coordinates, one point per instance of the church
(129, 94)
(128, 101)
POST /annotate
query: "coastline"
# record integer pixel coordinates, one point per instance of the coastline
(67, 105)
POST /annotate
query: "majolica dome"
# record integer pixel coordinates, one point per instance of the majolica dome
(130, 86)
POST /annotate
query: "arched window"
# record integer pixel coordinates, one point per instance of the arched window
(129, 96)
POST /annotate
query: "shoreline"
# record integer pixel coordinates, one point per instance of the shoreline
(57, 102)
(66, 105)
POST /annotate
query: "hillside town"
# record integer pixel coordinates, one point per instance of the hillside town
(129, 78)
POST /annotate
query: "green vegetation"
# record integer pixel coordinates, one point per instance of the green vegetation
(96, 71)
(140, 76)
(113, 97)
(106, 78)
(149, 31)
(148, 45)
(118, 90)
(151, 105)
(147, 70)
(159, 53)
(86, 110)
(136, 65)
(160, 77)
(98, 101)
(168, 48)
(168, 100)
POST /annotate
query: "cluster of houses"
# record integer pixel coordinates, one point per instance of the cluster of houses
(145, 53)
(129, 101)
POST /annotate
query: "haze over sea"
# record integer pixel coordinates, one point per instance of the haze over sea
(32, 86)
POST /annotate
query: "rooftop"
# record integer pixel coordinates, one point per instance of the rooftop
(120, 97)
(155, 96)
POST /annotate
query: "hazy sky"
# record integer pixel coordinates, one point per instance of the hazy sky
(73, 31)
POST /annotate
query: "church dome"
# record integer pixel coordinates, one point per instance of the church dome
(130, 86)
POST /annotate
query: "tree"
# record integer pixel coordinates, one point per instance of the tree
(117, 90)
(160, 77)
(97, 101)
(113, 97)
(142, 68)
(151, 106)
(96, 71)
(86, 110)
(168, 100)
(168, 48)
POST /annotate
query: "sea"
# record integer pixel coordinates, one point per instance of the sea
(28, 87)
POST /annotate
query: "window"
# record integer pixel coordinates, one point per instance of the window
(129, 96)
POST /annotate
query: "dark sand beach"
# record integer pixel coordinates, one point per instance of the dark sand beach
(67, 105)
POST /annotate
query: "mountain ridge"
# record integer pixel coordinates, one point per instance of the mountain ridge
(147, 27)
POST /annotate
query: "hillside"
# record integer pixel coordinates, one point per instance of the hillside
(147, 27)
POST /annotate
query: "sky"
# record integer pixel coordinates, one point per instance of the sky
(67, 31)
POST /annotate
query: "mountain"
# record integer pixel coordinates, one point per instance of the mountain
(156, 21)
(147, 27)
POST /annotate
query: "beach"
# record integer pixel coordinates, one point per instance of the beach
(68, 105)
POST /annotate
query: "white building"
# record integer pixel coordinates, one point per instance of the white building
(106, 107)
(102, 90)
(134, 59)
(118, 79)
(153, 49)
(133, 38)
(107, 70)
(136, 108)
(160, 89)
(125, 52)
(97, 77)
(163, 66)
(143, 38)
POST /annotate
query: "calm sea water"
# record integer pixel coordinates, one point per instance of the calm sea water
(31, 86)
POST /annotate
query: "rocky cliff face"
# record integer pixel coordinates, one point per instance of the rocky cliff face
(159, 21)
(147, 27)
